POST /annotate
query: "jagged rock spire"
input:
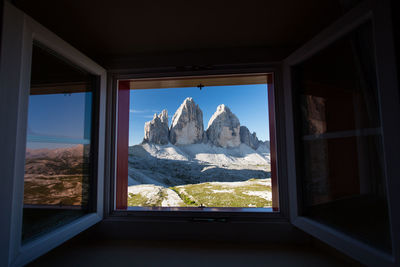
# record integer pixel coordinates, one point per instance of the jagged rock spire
(223, 128)
(248, 138)
(156, 130)
(187, 124)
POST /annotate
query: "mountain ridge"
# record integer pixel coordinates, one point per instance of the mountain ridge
(223, 129)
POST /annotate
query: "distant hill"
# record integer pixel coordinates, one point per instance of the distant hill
(70, 160)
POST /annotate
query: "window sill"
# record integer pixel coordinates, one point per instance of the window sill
(218, 215)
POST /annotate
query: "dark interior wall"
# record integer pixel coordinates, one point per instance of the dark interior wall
(82, 251)
(189, 230)
(53, 68)
(396, 32)
(1, 21)
(142, 34)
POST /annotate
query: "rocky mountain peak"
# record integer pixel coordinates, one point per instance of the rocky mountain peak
(248, 138)
(222, 108)
(223, 128)
(188, 100)
(163, 116)
(156, 130)
(187, 124)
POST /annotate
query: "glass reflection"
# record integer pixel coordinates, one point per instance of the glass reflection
(339, 139)
(58, 163)
(56, 174)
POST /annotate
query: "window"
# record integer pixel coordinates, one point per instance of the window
(342, 113)
(340, 140)
(368, 133)
(200, 155)
(53, 119)
(59, 167)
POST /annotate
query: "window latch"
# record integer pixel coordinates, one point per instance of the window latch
(209, 220)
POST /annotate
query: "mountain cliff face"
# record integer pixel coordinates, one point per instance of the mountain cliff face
(223, 129)
(248, 138)
(187, 124)
(156, 130)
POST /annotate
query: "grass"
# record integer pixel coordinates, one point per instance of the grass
(205, 195)
(185, 198)
(212, 195)
(135, 200)
(140, 200)
(161, 195)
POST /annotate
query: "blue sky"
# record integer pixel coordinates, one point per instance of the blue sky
(63, 116)
(248, 102)
(59, 116)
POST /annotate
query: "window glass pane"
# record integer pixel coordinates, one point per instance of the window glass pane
(58, 164)
(200, 147)
(340, 142)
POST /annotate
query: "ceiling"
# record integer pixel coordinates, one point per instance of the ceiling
(136, 34)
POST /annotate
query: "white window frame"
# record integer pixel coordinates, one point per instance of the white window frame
(378, 12)
(19, 31)
(243, 214)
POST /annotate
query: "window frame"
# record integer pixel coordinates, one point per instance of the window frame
(18, 34)
(124, 88)
(184, 214)
(378, 13)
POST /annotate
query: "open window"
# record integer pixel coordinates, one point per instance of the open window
(60, 172)
(333, 132)
(339, 148)
(53, 169)
(197, 143)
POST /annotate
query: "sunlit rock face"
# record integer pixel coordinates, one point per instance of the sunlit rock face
(156, 131)
(224, 128)
(187, 124)
(248, 138)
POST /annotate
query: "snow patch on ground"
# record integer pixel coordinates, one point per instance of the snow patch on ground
(242, 155)
(148, 150)
(266, 182)
(223, 191)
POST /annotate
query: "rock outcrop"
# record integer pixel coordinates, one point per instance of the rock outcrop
(205, 138)
(156, 131)
(224, 128)
(263, 147)
(248, 138)
(187, 124)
